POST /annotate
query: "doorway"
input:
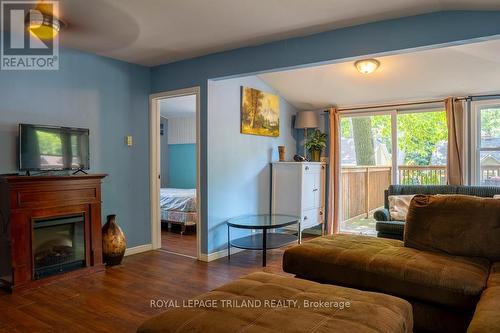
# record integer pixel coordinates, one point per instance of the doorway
(175, 172)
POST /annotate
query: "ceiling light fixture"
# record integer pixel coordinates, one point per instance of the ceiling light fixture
(43, 25)
(367, 66)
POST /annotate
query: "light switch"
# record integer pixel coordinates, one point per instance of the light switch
(129, 141)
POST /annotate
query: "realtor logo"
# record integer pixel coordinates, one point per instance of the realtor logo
(29, 40)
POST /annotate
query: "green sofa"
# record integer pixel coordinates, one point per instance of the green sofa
(388, 228)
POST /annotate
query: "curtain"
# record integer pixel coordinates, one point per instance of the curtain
(334, 172)
(455, 122)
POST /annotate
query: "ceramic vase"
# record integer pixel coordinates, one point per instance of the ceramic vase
(113, 242)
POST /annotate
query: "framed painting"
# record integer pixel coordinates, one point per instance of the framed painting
(260, 112)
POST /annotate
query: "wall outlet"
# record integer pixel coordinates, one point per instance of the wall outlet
(129, 141)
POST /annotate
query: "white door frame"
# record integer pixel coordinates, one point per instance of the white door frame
(155, 159)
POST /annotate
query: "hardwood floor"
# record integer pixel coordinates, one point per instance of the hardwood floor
(173, 241)
(118, 300)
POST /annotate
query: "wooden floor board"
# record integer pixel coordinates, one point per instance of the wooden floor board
(118, 299)
(173, 241)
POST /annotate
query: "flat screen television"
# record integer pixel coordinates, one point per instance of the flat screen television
(51, 148)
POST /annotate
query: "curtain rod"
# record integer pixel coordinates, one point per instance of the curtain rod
(381, 106)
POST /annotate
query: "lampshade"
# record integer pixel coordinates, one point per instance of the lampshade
(307, 119)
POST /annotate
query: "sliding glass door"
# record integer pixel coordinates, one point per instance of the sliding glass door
(422, 147)
(383, 148)
(366, 160)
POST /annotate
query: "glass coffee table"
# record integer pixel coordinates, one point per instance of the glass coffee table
(263, 240)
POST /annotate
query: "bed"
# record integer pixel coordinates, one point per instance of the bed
(178, 206)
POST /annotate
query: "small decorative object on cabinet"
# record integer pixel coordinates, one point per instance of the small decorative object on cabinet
(315, 144)
(282, 153)
(298, 188)
(299, 158)
(113, 242)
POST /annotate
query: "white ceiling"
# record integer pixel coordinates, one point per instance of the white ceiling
(152, 32)
(453, 71)
(178, 107)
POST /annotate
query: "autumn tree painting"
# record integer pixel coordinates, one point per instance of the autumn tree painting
(260, 112)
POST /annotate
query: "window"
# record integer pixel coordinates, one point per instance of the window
(486, 143)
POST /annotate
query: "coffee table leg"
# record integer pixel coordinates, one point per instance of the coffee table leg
(228, 244)
(264, 246)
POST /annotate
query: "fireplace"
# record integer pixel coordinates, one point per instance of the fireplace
(58, 245)
(50, 229)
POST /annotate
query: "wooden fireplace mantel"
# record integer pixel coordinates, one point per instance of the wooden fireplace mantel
(23, 199)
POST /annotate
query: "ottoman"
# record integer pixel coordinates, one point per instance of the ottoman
(263, 302)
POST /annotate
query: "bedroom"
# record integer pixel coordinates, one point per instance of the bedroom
(178, 204)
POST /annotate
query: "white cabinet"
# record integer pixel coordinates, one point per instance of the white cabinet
(298, 188)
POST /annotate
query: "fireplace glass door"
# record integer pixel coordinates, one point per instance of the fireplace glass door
(58, 245)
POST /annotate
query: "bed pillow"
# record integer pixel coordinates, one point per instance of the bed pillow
(398, 206)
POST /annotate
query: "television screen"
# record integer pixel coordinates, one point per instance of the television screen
(53, 148)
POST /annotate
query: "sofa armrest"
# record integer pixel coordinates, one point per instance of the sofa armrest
(390, 229)
(382, 215)
(487, 315)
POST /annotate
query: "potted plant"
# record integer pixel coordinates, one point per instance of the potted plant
(315, 144)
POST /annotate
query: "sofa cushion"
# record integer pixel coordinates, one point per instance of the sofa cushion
(455, 224)
(385, 265)
(494, 278)
(487, 315)
(367, 311)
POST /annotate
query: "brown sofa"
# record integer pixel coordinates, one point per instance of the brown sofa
(441, 268)
(366, 312)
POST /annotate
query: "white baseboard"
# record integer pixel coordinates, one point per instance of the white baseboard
(138, 249)
(217, 255)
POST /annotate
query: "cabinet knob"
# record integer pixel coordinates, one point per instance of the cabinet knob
(307, 168)
(323, 167)
(305, 218)
(314, 190)
(320, 213)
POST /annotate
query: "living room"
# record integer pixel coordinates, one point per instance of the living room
(268, 203)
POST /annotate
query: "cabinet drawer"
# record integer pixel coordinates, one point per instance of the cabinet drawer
(311, 168)
(310, 218)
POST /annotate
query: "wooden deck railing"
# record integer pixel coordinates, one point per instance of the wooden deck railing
(422, 175)
(363, 190)
(363, 186)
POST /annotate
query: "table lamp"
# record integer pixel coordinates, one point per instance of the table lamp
(305, 120)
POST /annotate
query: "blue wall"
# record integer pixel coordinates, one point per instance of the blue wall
(111, 99)
(379, 38)
(238, 164)
(182, 166)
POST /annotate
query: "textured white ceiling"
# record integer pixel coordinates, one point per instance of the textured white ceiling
(152, 32)
(451, 71)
